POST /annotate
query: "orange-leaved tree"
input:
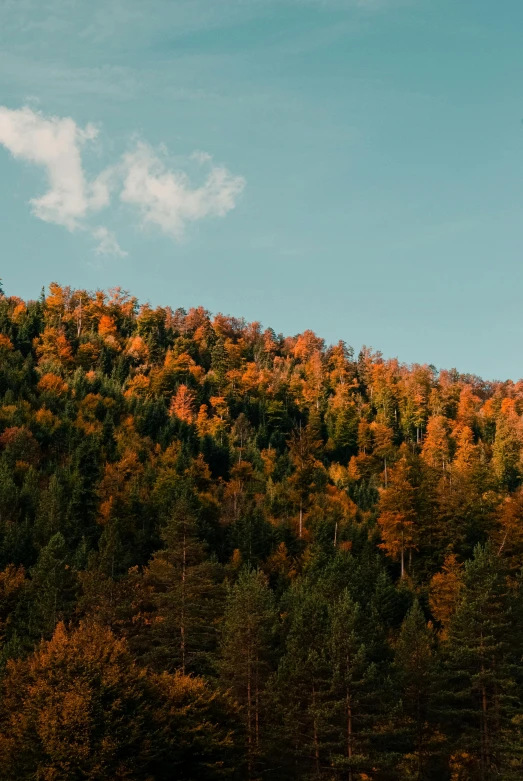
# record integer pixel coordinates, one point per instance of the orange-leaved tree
(80, 708)
(397, 513)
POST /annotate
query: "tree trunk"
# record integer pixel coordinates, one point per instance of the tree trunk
(182, 611)
(420, 739)
(249, 712)
(485, 753)
(315, 733)
(349, 734)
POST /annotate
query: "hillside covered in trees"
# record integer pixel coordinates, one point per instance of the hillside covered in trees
(229, 554)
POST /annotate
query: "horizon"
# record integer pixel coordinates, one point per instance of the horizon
(375, 350)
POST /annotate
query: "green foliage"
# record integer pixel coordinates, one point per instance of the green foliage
(209, 567)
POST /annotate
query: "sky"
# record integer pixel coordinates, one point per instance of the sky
(349, 166)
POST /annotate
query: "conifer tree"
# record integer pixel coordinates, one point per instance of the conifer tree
(483, 701)
(181, 598)
(53, 584)
(397, 514)
(303, 686)
(415, 668)
(246, 655)
(354, 676)
(445, 590)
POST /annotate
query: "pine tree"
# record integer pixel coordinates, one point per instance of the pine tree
(53, 585)
(482, 697)
(246, 655)
(181, 598)
(303, 447)
(397, 514)
(415, 668)
(445, 590)
(354, 678)
(303, 687)
(506, 450)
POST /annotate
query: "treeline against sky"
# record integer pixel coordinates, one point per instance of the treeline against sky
(229, 554)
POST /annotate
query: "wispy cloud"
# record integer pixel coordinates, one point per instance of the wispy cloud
(103, 20)
(141, 178)
(167, 199)
(55, 144)
(107, 243)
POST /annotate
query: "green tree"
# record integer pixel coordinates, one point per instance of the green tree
(303, 686)
(181, 598)
(246, 654)
(354, 680)
(53, 587)
(483, 700)
(415, 668)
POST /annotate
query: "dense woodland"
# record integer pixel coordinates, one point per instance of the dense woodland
(229, 554)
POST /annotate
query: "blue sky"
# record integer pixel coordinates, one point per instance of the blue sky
(358, 165)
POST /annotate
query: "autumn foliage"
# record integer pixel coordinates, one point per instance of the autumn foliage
(230, 553)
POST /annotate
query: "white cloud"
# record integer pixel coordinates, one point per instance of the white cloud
(107, 243)
(167, 199)
(201, 157)
(55, 144)
(162, 197)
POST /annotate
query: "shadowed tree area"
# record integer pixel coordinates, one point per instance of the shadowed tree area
(226, 553)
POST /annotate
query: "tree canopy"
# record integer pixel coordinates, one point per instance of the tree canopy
(227, 553)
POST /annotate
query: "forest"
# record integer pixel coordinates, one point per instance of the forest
(230, 554)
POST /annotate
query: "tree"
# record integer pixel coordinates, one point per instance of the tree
(179, 599)
(354, 677)
(53, 584)
(482, 699)
(182, 404)
(302, 687)
(80, 708)
(397, 514)
(303, 447)
(246, 653)
(415, 667)
(445, 592)
(342, 422)
(198, 731)
(509, 533)
(51, 511)
(13, 584)
(76, 708)
(436, 447)
(506, 450)
(382, 445)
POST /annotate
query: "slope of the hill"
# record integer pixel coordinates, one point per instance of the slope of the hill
(225, 553)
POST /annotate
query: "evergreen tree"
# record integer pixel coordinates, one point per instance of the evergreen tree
(415, 668)
(303, 687)
(354, 679)
(246, 655)
(483, 701)
(181, 598)
(148, 455)
(53, 588)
